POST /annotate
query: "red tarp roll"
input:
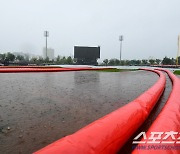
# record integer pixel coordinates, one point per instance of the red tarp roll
(167, 121)
(44, 69)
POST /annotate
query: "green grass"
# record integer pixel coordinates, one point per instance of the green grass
(116, 70)
(177, 72)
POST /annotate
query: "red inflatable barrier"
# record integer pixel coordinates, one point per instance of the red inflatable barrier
(44, 69)
(109, 134)
(167, 122)
(30, 66)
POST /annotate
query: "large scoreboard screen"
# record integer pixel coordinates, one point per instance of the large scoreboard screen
(86, 52)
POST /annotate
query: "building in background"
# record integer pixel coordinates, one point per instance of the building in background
(86, 55)
(50, 53)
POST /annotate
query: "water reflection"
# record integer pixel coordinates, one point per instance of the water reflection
(86, 77)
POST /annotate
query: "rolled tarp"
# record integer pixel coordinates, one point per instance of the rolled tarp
(167, 122)
(31, 66)
(110, 133)
(45, 69)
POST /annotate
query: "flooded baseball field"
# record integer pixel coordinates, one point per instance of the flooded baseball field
(39, 108)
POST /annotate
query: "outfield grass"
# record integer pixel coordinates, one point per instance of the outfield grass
(177, 72)
(117, 70)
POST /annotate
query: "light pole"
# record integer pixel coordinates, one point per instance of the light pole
(178, 52)
(46, 34)
(120, 39)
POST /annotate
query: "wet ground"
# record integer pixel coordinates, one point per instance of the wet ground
(39, 108)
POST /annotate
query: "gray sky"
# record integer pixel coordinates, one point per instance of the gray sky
(150, 27)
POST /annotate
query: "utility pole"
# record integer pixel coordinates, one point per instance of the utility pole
(178, 52)
(46, 34)
(120, 39)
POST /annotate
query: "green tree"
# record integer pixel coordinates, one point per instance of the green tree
(144, 62)
(20, 57)
(166, 61)
(138, 62)
(112, 62)
(46, 60)
(69, 60)
(123, 62)
(117, 62)
(132, 62)
(127, 62)
(10, 56)
(58, 58)
(173, 61)
(34, 60)
(26, 57)
(2, 57)
(40, 60)
(151, 61)
(105, 61)
(63, 60)
(158, 61)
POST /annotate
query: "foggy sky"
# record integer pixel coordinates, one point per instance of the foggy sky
(150, 27)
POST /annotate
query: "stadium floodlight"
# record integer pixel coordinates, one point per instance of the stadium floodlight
(121, 38)
(46, 34)
(178, 52)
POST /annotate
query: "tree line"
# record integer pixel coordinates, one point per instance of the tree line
(146, 62)
(10, 58)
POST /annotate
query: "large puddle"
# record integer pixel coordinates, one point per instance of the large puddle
(39, 108)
